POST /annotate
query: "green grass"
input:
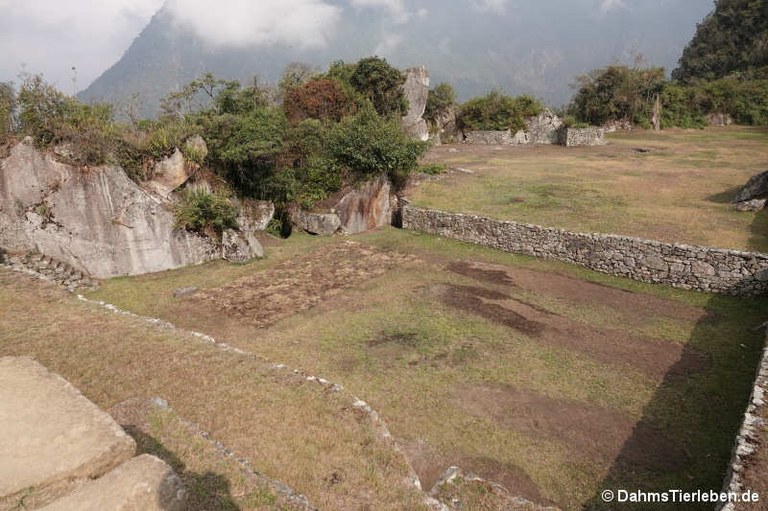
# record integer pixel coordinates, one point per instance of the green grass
(678, 191)
(394, 343)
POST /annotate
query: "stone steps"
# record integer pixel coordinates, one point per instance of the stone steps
(53, 270)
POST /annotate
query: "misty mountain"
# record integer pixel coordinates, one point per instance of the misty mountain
(517, 46)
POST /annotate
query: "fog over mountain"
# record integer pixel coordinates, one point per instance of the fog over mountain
(514, 45)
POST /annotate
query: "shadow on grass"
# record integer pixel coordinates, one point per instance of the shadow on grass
(758, 239)
(725, 197)
(209, 491)
(701, 412)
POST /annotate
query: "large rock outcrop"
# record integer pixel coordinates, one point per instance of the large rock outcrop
(753, 195)
(416, 90)
(364, 207)
(95, 219)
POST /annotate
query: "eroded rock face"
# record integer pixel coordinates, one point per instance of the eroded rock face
(96, 219)
(316, 223)
(255, 215)
(366, 207)
(239, 246)
(168, 174)
(416, 90)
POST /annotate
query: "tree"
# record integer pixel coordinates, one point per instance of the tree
(496, 111)
(617, 93)
(368, 145)
(439, 101)
(320, 98)
(381, 84)
(295, 75)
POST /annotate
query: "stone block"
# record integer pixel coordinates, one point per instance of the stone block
(50, 433)
(144, 483)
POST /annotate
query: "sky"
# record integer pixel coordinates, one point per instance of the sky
(72, 42)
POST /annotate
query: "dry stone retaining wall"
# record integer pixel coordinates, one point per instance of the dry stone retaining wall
(677, 265)
(748, 442)
(574, 137)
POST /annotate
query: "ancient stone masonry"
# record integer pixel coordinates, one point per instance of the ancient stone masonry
(748, 442)
(683, 266)
(573, 137)
(539, 130)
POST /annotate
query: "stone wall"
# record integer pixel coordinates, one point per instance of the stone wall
(748, 443)
(489, 138)
(573, 137)
(682, 266)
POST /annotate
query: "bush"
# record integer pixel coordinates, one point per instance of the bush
(204, 211)
(7, 108)
(381, 84)
(369, 145)
(321, 98)
(496, 111)
(440, 100)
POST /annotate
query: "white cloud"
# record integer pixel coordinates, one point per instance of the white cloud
(497, 6)
(387, 44)
(50, 36)
(303, 23)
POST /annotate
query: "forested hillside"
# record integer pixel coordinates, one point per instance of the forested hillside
(733, 39)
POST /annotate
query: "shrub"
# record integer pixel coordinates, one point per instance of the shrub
(381, 84)
(368, 145)
(204, 211)
(320, 98)
(496, 111)
(7, 108)
(439, 101)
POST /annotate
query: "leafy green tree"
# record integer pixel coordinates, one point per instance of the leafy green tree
(617, 93)
(439, 101)
(496, 111)
(368, 145)
(376, 80)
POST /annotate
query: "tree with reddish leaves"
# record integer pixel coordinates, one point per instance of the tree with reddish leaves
(319, 98)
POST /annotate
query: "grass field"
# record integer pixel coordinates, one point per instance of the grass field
(672, 186)
(551, 380)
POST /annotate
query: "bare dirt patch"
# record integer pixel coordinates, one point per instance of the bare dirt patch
(579, 291)
(268, 296)
(656, 358)
(590, 431)
(430, 465)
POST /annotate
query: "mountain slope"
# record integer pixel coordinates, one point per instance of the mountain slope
(523, 48)
(733, 38)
